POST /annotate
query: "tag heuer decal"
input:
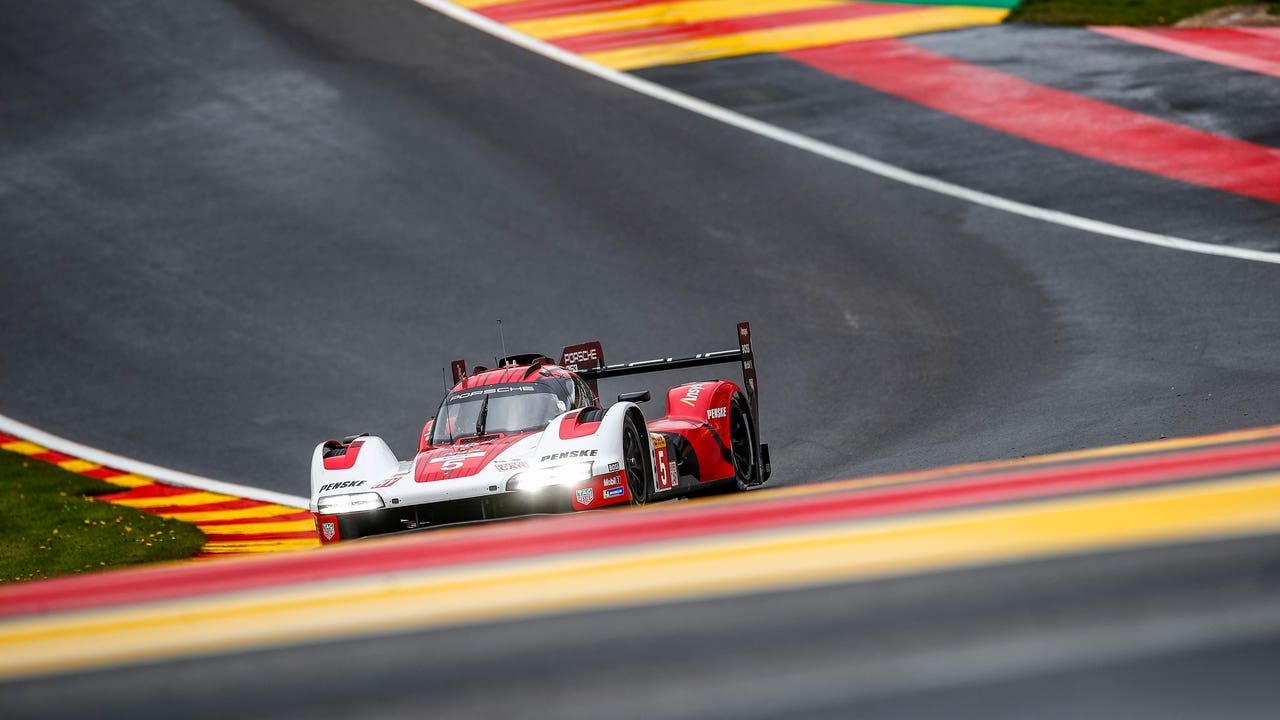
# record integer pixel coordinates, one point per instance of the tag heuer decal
(586, 495)
(329, 529)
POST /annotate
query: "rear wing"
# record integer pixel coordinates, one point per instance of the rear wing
(587, 360)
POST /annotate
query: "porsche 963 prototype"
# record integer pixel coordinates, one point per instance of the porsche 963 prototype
(530, 436)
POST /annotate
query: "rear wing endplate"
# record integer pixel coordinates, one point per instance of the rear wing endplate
(459, 368)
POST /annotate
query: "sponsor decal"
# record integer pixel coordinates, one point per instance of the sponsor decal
(388, 482)
(492, 391)
(746, 347)
(615, 492)
(664, 472)
(509, 465)
(614, 467)
(611, 481)
(329, 530)
(585, 496)
(574, 357)
(717, 413)
(742, 331)
(449, 463)
(569, 454)
(341, 485)
(691, 394)
(582, 357)
(447, 458)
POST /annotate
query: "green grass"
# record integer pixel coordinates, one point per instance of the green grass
(50, 527)
(1114, 12)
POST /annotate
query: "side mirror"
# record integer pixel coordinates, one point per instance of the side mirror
(635, 397)
(424, 441)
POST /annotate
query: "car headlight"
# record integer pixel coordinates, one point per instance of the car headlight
(539, 478)
(349, 503)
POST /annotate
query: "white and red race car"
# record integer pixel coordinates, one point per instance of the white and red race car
(531, 437)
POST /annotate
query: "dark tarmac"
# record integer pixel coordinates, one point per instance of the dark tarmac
(234, 230)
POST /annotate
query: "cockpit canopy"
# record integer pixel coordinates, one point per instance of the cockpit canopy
(507, 408)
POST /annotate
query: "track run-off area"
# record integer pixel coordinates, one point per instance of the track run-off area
(232, 524)
(235, 229)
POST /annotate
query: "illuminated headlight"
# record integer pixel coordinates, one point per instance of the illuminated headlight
(545, 477)
(349, 503)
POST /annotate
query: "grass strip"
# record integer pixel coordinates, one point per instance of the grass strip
(1115, 12)
(51, 527)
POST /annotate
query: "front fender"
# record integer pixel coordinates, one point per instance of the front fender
(568, 436)
(366, 461)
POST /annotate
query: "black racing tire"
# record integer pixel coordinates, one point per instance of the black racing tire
(742, 445)
(636, 460)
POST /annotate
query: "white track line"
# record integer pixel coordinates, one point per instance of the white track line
(832, 152)
(155, 472)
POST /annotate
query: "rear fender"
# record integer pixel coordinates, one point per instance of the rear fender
(703, 402)
(351, 467)
(706, 404)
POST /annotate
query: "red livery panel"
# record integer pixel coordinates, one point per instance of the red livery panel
(600, 491)
(571, 427)
(327, 528)
(346, 459)
(464, 460)
(664, 477)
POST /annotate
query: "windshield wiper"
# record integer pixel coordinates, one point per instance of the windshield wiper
(484, 414)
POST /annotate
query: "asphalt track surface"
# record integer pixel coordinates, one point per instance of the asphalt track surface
(232, 230)
(1193, 94)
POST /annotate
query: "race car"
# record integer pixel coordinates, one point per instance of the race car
(530, 436)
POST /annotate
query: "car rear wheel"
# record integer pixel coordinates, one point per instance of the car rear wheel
(634, 451)
(742, 441)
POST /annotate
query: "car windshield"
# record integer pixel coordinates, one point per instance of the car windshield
(506, 409)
